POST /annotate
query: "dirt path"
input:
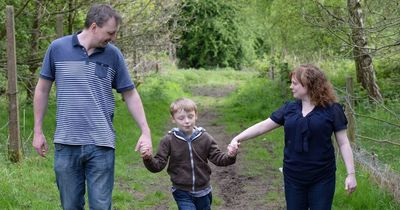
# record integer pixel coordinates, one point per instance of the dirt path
(232, 189)
(237, 191)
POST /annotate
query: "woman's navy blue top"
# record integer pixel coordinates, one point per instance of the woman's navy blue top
(309, 154)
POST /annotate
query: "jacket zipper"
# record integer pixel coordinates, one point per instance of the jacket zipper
(192, 164)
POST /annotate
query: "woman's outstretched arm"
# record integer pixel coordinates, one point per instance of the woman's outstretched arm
(255, 130)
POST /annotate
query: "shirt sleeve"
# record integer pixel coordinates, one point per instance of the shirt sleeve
(279, 115)
(339, 118)
(122, 81)
(48, 70)
(160, 160)
(218, 157)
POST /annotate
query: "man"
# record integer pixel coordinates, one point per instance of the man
(85, 68)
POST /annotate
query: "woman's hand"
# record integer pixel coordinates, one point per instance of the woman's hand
(233, 148)
(350, 183)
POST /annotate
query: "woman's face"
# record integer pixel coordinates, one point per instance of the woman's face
(298, 90)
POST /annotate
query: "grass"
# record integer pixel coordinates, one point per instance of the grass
(367, 196)
(386, 153)
(31, 183)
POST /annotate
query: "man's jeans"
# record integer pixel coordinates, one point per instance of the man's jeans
(186, 201)
(74, 165)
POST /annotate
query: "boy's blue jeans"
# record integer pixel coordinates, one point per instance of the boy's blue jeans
(315, 196)
(186, 201)
(76, 165)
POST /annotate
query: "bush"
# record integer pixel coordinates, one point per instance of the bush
(211, 35)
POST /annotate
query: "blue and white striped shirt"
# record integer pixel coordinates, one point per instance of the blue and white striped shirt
(85, 101)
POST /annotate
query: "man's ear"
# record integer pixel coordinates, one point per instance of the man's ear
(93, 26)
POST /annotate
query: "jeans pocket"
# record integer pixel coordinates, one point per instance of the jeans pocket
(101, 70)
(59, 147)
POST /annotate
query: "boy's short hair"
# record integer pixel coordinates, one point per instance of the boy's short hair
(182, 104)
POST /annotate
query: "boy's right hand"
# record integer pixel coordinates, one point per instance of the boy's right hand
(145, 152)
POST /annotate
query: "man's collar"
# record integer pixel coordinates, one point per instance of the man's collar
(75, 40)
(76, 43)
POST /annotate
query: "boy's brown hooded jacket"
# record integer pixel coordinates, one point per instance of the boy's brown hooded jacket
(188, 159)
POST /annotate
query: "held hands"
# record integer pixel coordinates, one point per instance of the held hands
(350, 183)
(233, 148)
(144, 146)
(145, 152)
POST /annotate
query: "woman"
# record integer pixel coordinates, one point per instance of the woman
(309, 122)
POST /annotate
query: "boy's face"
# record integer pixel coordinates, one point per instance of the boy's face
(185, 121)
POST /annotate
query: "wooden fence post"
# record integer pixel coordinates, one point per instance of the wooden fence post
(60, 25)
(14, 147)
(172, 52)
(284, 74)
(271, 72)
(351, 128)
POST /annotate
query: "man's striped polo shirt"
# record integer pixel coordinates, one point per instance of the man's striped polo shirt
(85, 101)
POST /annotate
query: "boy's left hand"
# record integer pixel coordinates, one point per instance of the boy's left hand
(233, 150)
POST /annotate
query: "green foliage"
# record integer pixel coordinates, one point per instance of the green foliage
(386, 153)
(388, 72)
(252, 102)
(288, 30)
(267, 61)
(211, 36)
(365, 197)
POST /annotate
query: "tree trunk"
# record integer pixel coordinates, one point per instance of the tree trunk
(70, 16)
(30, 85)
(172, 52)
(362, 57)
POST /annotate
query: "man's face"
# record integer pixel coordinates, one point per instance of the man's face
(185, 121)
(105, 34)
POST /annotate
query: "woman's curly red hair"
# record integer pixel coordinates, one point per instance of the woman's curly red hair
(319, 89)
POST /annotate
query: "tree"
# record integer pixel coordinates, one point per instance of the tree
(34, 50)
(211, 35)
(347, 23)
(148, 27)
(362, 57)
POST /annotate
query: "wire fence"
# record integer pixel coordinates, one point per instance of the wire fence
(364, 127)
(4, 126)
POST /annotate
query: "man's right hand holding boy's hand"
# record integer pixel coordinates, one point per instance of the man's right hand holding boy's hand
(145, 152)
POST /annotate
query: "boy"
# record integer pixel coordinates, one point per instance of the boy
(188, 149)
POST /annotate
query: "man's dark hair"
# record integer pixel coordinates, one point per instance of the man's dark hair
(100, 14)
